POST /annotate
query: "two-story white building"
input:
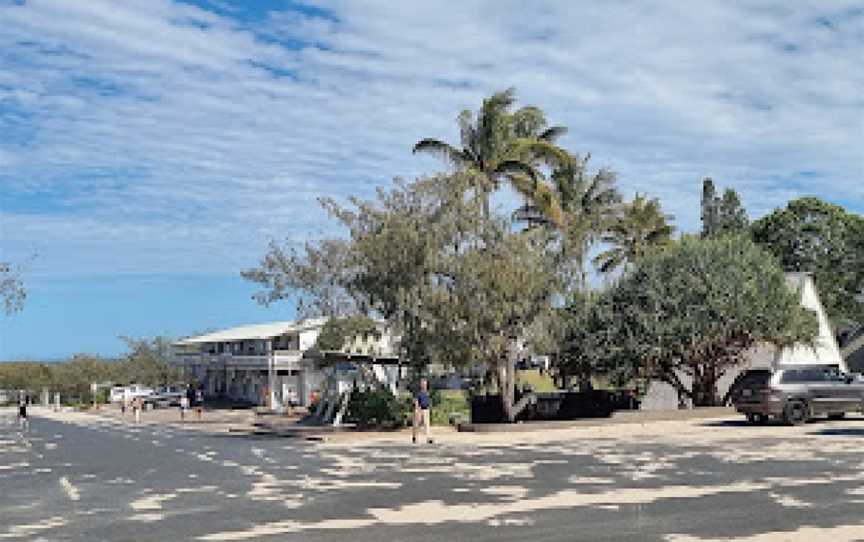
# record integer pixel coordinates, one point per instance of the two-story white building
(240, 363)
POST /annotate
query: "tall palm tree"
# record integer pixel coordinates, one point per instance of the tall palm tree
(640, 227)
(590, 204)
(498, 146)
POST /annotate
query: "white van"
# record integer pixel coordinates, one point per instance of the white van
(119, 393)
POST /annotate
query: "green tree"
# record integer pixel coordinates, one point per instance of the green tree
(313, 278)
(148, 362)
(590, 205)
(721, 215)
(640, 227)
(692, 310)
(487, 304)
(824, 239)
(456, 285)
(499, 145)
(338, 332)
(73, 378)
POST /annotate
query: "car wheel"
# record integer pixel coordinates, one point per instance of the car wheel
(795, 413)
(837, 416)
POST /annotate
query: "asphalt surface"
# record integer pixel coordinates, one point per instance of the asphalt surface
(81, 477)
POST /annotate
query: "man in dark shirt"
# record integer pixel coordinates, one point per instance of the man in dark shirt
(23, 422)
(422, 404)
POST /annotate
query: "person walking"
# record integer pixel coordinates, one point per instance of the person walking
(23, 422)
(199, 403)
(184, 407)
(422, 404)
(136, 408)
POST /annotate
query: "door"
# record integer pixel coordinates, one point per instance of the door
(822, 390)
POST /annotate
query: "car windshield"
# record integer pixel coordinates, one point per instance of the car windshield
(755, 378)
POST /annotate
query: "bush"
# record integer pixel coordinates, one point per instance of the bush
(378, 408)
(451, 404)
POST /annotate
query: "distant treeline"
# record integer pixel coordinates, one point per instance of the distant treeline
(146, 363)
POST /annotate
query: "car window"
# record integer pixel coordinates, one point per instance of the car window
(755, 378)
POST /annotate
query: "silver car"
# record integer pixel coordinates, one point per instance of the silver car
(796, 393)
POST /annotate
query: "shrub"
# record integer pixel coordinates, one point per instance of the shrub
(378, 408)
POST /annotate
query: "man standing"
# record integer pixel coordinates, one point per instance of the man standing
(23, 422)
(422, 404)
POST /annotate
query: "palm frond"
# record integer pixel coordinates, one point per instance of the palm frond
(542, 151)
(517, 167)
(552, 133)
(445, 150)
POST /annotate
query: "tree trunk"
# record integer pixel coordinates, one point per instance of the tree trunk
(507, 380)
(705, 387)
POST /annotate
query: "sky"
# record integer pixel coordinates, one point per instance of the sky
(150, 149)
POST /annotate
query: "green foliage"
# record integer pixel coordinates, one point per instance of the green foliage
(721, 215)
(590, 204)
(450, 404)
(692, 309)
(814, 236)
(338, 332)
(499, 145)
(378, 408)
(148, 362)
(313, 278)
(538, 383)
(640, 227)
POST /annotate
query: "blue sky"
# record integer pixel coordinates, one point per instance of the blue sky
(150, 149)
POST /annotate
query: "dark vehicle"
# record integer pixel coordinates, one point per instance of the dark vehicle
(795, 393)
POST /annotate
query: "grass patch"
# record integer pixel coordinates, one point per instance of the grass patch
(532, 377)
(452, 404)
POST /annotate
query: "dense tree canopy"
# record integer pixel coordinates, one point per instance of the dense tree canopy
(823, 239)
(690, 310)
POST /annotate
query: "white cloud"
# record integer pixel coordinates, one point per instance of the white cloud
(167, 136)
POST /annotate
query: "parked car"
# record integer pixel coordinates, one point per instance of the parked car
(119, 393)
(795, 393)
(166, 397)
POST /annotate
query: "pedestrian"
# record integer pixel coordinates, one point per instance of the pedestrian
(422, 403)
(199, 403)
(184, 406)
(136, 408)
(23, 422)
(124, 404)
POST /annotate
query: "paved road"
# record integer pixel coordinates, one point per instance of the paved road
(80, 477)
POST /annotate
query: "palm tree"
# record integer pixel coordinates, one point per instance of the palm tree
(590, 204)
(503, 146)
(640, 227)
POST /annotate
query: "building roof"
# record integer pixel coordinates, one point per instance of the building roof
(254, 331)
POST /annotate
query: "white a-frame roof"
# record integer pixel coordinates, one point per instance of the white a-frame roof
(824, 350)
